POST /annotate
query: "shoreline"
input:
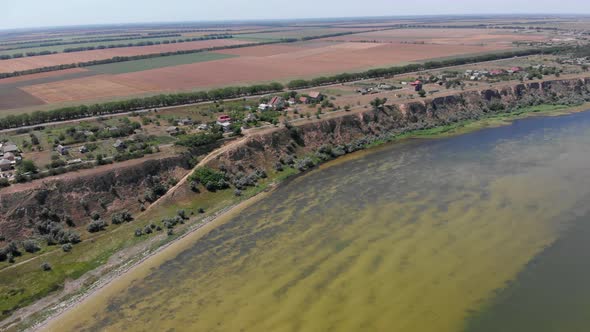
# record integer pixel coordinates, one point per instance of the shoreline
(134, 263)
(56, 310)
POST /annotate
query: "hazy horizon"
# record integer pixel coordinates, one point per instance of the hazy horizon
(58, 13)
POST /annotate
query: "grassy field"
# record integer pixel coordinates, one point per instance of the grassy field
(147, 64)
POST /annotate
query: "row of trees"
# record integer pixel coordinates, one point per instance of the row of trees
(82, 111)
(127, 58)
(59, 42)
(143, 43)
(392, 71)
(102, 47)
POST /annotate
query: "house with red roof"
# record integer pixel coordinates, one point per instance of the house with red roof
(314, 96)
(277, 103)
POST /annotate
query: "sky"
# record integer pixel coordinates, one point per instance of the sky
(41, 13)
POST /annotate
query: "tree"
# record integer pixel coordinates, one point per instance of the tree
(31, 246)
(96, 226)
(422, 93)
(27, 166)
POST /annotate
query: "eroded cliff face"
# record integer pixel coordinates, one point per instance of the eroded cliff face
(349, 131)
(124, 187)
(77, 197)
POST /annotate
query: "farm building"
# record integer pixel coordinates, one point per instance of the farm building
(315, 96)
(172, 130)
(61, 150)
(277, 103)
(9, 156)
(185, 122)
(223, 119)
(9, 147)
(417, 85)
(5, 165)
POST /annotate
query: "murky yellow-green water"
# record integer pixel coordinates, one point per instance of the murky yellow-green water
(413, 237)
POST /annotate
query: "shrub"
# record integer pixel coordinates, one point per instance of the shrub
(46, 266)
(95, 215)
(211, 179)
(31, 246)
(138, 232)
(170, 232)
(147, 230)
(182, 214)
(96, 226)
(67, 247)
(121, 217)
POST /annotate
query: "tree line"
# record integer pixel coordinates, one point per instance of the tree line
(59, 42)
(391, 71)
(130, 58)
(102, 47)
(163, 100)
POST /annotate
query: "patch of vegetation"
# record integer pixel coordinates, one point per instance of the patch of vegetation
(211, 179)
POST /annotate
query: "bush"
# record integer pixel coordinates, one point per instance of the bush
(147, 230)
(96, 226)
(95, 215)
(31, 246)
(211, 179)
(138, 232)
(182, 214)
(46, 266)
(67, 247)
(170, 232)
(121, 217)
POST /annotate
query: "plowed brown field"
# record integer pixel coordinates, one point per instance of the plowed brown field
(74, 57)
(262, 63)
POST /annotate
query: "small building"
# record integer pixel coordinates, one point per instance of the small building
(74, 161)
(417, 85)
(250, 118)
(514, 70)
(185, 122)
(225, 126)
(83, 149)
(119, 145)
(304, 100)
(5, 165)
(9, 147)
(63, 150)
(9, 156)
(496, 72)
(223, 119)
(315, 96)
(173, 130)
(383, 86)
(203, 126)
(263, 107)
(277, 103)
(292, 101)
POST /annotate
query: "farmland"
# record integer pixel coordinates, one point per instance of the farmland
(245, 65)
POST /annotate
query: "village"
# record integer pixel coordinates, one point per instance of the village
(53, 150)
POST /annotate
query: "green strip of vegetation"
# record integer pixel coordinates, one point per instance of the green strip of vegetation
(147, 64)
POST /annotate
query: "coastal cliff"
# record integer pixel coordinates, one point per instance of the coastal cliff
(299, 146)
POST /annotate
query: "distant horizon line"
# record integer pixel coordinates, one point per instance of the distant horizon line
(301, 19)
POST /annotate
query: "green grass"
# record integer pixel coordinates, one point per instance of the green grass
(159, 62)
